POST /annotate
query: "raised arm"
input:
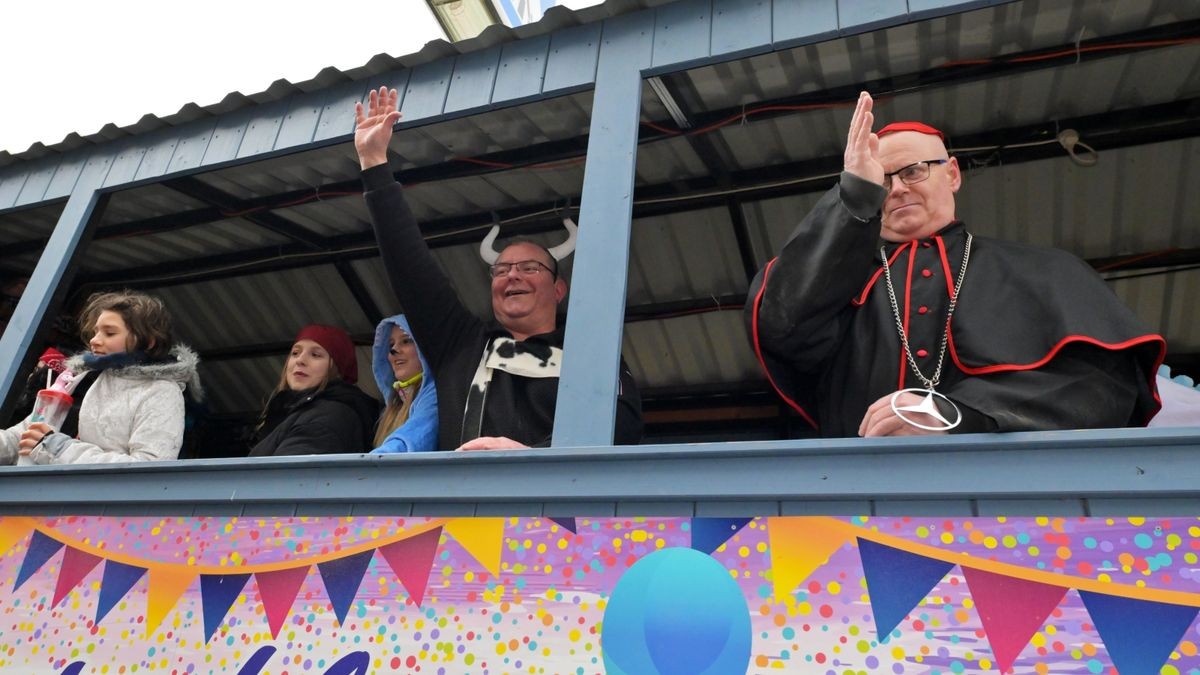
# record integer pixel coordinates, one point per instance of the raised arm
(440, 321)
(797, 302)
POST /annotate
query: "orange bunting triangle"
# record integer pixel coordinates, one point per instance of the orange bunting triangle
(167, 584)
(799, 545)
(483, 538)
(13, 530)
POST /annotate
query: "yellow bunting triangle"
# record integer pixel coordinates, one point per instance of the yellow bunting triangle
(167, 584)
(13, 530)
(482, 537)
(799, 545)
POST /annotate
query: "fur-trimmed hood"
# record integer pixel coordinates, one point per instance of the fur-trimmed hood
(179, 366)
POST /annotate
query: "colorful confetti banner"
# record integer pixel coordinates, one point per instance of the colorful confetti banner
(599, 595)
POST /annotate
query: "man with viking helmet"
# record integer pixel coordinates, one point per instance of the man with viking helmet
(497, 381)
(934, 330)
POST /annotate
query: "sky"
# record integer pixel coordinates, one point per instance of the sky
(74, 65)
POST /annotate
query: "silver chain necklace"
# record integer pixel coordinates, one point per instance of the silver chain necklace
(927, 405)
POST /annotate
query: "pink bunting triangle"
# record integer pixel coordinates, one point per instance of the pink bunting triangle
(1012, 610)
(278, 591)
(75, 566)
(412, 561)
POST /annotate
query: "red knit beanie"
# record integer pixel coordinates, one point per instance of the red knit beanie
(918, 127)
(339, 345)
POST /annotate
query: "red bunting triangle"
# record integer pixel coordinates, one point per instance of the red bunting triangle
(278, 591)
(412, 561)
(1012, 610)
(75, 566)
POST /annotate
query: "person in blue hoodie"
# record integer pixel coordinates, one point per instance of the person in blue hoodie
(409, 422)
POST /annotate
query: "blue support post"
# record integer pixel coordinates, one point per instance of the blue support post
(588, 388)
(51, 267)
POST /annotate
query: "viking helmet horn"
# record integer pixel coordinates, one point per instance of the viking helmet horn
(567, 247)
(487, 249)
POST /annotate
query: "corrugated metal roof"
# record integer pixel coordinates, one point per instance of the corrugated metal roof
(36, 223)
(555, 18)
(699, 349)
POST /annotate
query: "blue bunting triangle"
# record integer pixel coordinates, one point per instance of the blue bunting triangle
(40, 549)
(709, 533)
(118, 579)
(217, 593)
(896, 582)
(566, 523)
(1139, 634)
(342, 577)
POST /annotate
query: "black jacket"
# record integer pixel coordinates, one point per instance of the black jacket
(338, 419)
(453, 339)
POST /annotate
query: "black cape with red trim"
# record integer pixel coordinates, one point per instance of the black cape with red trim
(1038, 341)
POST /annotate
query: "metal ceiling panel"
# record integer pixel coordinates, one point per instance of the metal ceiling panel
(1179, 320)
(226, 236)
(35, 223)
(708, 348)
(146, 202)
(684, 256)
(982, 34)
(670, 159)
(331, 217)
(303, 171)
(241, 386)
(770, 222)
(261, 308)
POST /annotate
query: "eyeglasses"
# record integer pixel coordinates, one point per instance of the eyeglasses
(525, 268)
(913, 173)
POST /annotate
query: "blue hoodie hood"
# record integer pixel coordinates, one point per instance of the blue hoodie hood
(419, 433)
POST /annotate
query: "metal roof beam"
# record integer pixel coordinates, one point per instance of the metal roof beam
(228, 204)
(506, 160)
(358, 289)
(1103, 131)
(438, 233)
(945, 75)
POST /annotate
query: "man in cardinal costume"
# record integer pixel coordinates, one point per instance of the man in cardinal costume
(934, 330)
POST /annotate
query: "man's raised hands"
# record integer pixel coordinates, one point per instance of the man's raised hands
(862, 145)
(373, 127)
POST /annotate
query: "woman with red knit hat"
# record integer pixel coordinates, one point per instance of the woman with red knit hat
(316, 409)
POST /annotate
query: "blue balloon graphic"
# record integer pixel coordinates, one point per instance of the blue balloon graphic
(676, 612)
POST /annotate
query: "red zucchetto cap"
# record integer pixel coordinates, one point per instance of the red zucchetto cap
(910, 126)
